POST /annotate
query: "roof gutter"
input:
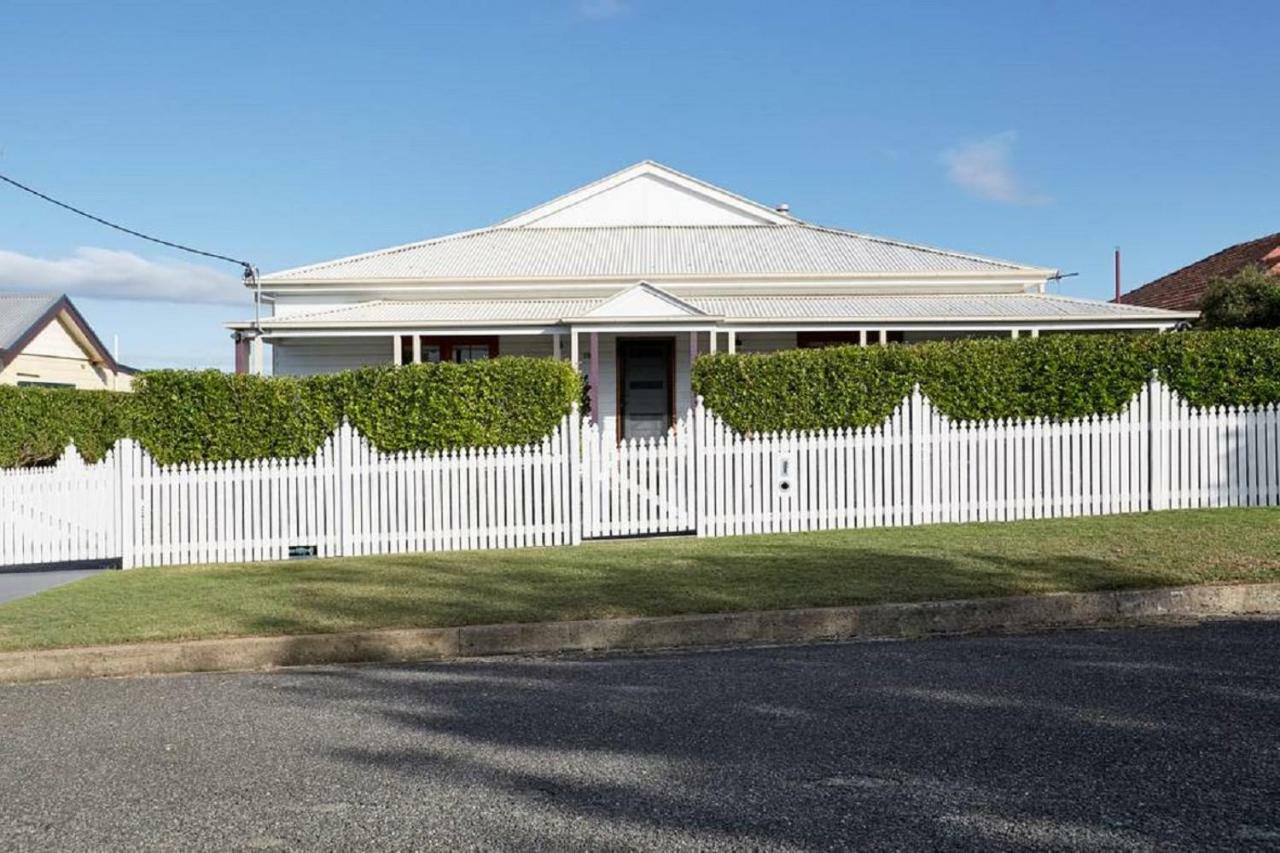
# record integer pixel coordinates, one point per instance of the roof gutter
(1020, 273)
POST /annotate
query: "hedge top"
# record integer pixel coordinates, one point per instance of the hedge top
(200, 416)
(1056, 376)
(185, 416)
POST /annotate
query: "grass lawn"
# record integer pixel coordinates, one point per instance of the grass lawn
(652, 577)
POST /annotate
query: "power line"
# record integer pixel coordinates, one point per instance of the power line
(250, 273)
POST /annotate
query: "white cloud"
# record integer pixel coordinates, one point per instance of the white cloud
(110, 274)
(983, 168)
(602, 8)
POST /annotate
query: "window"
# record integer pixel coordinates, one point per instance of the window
(433, 349)
(812, 340)
(34, 383)
(462, 353)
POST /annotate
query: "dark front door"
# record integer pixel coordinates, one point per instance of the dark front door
(645, 403)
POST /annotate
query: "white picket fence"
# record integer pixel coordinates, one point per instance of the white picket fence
(640, 486)
(921, 467)
(918, 467)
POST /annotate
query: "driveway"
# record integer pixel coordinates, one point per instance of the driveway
(21, 584)
(1119, 739)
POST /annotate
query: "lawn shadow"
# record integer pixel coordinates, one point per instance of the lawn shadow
(337, 598)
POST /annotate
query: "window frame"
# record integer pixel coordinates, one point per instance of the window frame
(447, 344)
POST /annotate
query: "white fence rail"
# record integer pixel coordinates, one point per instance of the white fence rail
(918, 467)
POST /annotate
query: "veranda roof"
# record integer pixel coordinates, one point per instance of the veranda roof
(934, 308)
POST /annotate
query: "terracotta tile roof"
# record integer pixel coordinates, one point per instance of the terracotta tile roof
(1184, 288)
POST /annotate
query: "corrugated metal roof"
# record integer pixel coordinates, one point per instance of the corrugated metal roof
(963, 306)
(645, 251)
(19, 312)
(445, 311)
(887, 308)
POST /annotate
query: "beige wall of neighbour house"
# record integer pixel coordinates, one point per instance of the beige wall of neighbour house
(56, 356)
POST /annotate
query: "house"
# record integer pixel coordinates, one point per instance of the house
(634, 275)
(1182, 290)
(44, 341)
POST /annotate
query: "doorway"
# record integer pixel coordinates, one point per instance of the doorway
(646, 387)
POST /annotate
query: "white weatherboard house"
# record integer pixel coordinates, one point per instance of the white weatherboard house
(635, 274)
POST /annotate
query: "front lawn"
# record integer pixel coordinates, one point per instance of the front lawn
(652, 578)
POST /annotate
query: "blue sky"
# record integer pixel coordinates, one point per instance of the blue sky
(286, 133)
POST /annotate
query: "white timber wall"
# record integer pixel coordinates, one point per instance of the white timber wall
(531, 346)
(309, 356)
(918, 467)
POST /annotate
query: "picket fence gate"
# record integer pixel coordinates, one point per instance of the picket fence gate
(917, 467)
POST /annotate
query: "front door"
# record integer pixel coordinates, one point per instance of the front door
(645, 371)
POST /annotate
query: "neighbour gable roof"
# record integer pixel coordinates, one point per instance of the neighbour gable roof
(19, 312)
(1183, 289)
(24, 316)
(647, 221)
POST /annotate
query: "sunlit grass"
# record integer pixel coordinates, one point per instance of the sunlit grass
(652, 577)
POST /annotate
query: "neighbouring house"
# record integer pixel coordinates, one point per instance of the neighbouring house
(632, 277)
(44, 341)
(1183, 290)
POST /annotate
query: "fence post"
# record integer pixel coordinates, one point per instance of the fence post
(915, 433)
(1159, 471)
(343, 504)
(126, 495)
(701, 483)
(573, 423)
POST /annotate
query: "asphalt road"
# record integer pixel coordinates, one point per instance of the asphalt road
(14, 585)
(1155, 738)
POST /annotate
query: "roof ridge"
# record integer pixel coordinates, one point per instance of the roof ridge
(518, 228)
(389, 250)
(889, 241)
(334, 309)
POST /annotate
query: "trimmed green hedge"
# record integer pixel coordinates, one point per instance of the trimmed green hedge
(37, 423)
(1057, 376)
(190, 416)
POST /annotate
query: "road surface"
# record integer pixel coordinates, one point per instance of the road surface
(19, 584)
(1131, 739)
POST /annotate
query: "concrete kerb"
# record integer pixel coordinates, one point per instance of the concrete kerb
(877, 621)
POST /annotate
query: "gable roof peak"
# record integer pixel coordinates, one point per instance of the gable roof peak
(648, 193)
(643, 300)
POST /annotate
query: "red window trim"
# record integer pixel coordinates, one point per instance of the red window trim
(448, 342)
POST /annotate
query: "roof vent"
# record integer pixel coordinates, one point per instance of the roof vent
(784, 209)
